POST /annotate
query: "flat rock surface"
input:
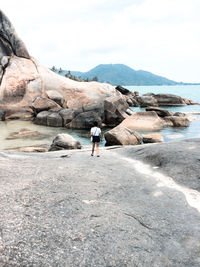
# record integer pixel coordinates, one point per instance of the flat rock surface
(67, 208)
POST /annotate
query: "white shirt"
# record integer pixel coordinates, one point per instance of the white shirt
(95, 131)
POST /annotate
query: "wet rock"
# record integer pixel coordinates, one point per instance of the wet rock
(121, 135)
(25, 133)
(122, 90)
(161, 112)
(64, 141)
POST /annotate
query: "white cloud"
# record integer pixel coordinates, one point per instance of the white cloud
(158, 36)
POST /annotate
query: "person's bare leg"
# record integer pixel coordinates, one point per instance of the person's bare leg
(97, 149)
(93, 146)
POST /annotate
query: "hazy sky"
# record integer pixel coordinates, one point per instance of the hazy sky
(161, 36)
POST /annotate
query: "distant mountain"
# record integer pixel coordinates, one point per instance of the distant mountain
(121, 74)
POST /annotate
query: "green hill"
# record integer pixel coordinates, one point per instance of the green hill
(121, 74)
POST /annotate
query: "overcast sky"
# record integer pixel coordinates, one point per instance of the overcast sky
(160, 36)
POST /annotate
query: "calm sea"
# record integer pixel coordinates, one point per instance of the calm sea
(169, 133)
(191, 92)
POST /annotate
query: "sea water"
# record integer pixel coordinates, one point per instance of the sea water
(169, 133)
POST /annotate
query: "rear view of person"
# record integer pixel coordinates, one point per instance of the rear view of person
(96, 135)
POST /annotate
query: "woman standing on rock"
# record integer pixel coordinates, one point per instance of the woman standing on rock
(95, 134)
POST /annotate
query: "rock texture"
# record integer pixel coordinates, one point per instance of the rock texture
(64, 141)
(152, 138)
(23, 79)
(122, 136)
(143, 121)
(69, 209)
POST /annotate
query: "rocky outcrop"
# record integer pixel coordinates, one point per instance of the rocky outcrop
(23, 79)
(64, 141)
(154, 100)
(133, 206)
(143, 121)
(121, 135)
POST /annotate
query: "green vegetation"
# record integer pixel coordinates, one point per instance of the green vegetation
(68, 74)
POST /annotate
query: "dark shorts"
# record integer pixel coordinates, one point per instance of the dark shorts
(95, 139)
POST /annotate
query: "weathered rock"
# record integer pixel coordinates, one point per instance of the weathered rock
(26, 134)
(33, 149)
(169, 100)
(179, 121)
(10, 44)
(56, 97)
(23, 79)
(67, 115)
(152, 138)
(121, 135)
(54, 120)
(23, 115)
(84, 120)
(41, 118)
(135, 206)
(144, 121)
(135, 102)
(161, 112)
(145, 101)
(115, 110)
(42, 104)
(122, 90)
(64, 141)
(130, 102)
(97, 108)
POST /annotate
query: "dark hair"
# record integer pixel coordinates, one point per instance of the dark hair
(95, 123)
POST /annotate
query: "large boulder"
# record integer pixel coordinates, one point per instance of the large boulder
(42, 103)
(147, 100)
(64, 141)
(169, 100)
(115, 110)
(84, 120)
(67, 115)
(179, 121)
(121, 135)
(22, 78)
(143, 121)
